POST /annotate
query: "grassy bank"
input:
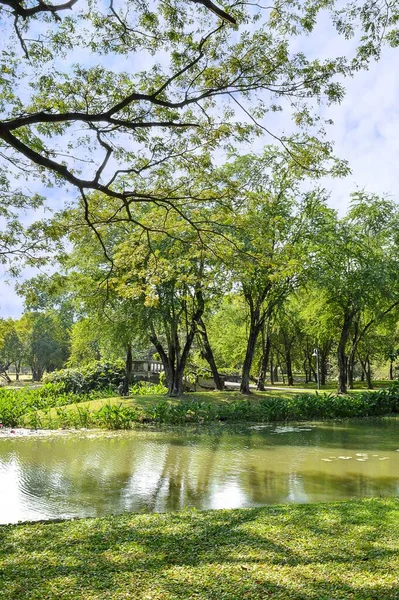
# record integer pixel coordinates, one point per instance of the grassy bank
(50, 408)
(206, 407)
(323, 551)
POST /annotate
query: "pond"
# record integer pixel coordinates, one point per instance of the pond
(96, 473)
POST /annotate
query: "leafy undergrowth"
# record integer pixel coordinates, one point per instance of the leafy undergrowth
(16, 403)
(46, 408)
(205, 407)
(321, 552)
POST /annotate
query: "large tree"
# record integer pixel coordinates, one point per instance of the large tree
(356, 266)
(11, 348)
(272, 224)
(99, 96)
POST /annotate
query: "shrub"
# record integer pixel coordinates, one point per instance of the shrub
(146, 388)
(18, 407)
(93, 376)
(112, 416)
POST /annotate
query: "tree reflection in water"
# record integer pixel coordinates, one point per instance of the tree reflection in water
(221, 466)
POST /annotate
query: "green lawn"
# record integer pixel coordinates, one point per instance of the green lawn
(216, 398)
(323, 551)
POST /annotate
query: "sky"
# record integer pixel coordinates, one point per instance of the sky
(365, 133)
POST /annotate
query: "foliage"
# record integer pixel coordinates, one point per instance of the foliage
(50, 407)
(93, 376)
(11, 347)
(19, 407)
(146, 388)
(356, 266)
(286, 552)
(46, 341)
(125, 119)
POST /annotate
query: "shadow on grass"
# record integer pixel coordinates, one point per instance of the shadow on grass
(347, 550)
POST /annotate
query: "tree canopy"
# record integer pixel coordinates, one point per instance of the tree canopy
(102, 96)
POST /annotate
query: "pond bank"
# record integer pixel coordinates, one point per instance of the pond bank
(51, 408)
(207, 407)
(317, 551)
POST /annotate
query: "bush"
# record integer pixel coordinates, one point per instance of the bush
(18, 407)
(93, 376)
(146, 388)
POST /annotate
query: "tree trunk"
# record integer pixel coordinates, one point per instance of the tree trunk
(391, 370)
(128, 370)
(174, 368)
(305, 370)
(342, 359)
(368, 373)
(246, 368)
(313, 373)
(366, 368)
(323, 368)
(175, 385)
(266, 345)
(351, 367)
(209, 356)
(4, 367)
(5, 375)
(288, 362)
(174, 361)
(271, 369)
(37, 373)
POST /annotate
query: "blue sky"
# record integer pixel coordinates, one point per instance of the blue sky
(365, 132)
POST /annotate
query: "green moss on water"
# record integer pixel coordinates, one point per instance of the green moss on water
(320, 551)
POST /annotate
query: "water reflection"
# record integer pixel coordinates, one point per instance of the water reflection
(219, 467)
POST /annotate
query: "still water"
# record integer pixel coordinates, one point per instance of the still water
(94, 474)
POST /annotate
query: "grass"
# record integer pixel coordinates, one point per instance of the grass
(202, 407)
(49, 407)
(218, 399)
(321, 552)
(144, 403)
(24, 381)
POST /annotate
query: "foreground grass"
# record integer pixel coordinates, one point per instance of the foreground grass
(322, 551)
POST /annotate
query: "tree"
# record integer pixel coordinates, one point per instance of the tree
(319, 329)
(47, 343)
(109, 125)
(357, 267)
(161, 278)
(272, 225)
(227, 329)
(85, 342)
(11, 348)
(170, 277)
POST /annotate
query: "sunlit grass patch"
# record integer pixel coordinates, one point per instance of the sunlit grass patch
(321, 551)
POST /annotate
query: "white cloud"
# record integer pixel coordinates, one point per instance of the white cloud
(11, 305)
(366, 132)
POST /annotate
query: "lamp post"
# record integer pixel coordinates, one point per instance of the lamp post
(316, 353)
